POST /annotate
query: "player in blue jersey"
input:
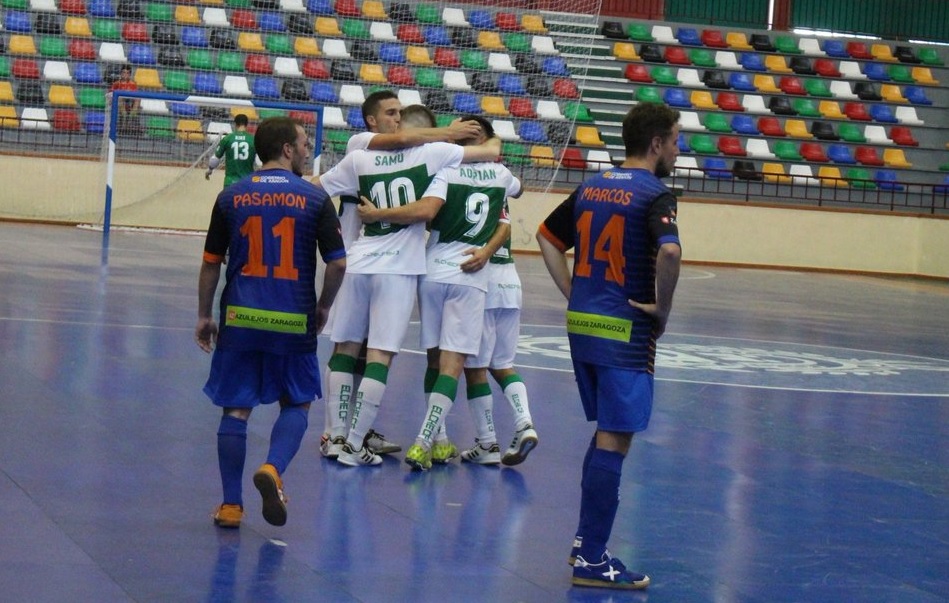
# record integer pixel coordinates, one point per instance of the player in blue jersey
(272, 224)
(622, 224)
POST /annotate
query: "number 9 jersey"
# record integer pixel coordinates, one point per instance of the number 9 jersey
(616, 222)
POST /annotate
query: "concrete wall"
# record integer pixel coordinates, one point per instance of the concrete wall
(724, 233)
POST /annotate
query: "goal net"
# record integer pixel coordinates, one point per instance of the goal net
(156, 153)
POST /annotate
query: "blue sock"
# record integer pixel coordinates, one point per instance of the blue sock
(286, 436)
(599, 500)
(231, 452)
(585, 466)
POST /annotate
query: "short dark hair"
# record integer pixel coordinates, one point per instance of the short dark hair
(272, 134)
(644, 122)
(418, 116)
(485, 124)
(240, 120)
(372, 102)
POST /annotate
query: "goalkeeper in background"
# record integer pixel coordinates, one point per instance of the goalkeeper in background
(237, 150)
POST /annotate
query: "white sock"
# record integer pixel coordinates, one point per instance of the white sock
(482, 412)
(365, 409)
(516, 394)
(339, 387)
(439, 405)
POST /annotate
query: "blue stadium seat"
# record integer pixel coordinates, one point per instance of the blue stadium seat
(320, 7)
(266, 87)
(876, 72)
(840, 153)
(481, 19)
(185, 110)
(141, 54)
(916, 95)
(270, 21)
(391, 53)
(323, 92)
(87, 73)
(556, 66)
(17, 21)
(436, 35)
(836, 49)
(677, 97)
(942, 188)
(689, 36)
(741, 81)
(531, 131)
(466, 103)
(354, 118)
(752, 61)
(194, 37)
(883, 114)
(95, 122)
(716, 168)
(511, 84)
(683, 143)
(887, 181)
(206, 83)
(744, 124)
(101, 8)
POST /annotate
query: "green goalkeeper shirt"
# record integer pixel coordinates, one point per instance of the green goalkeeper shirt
(237, 150)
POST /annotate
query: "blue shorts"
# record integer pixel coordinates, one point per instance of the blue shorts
(246, 379)
(617, 399)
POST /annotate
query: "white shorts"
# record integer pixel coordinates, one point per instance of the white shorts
(377, 305)
(449, 316)
(502, 329)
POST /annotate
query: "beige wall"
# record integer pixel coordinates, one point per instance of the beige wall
(741, 234)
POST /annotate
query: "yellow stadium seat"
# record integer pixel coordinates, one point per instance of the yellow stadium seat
(702, 99)
(830, 109)
(542, 156)
(589, 136)
(923, 75)
(187, 15)
(882, 52)
(328, 26)
(738, 40)
(494, 105)
(774, 172)
(20, 44)
(533, 24)
(797, 128)
(765, 83)
(8, 118)
(6, 92)
(892, 93)
(250, 112)
(830, 176)
(373, 9)
(213, 2)
(250, 41)
(62, 95)
(147, 79)
(372, 73)
(777, 63)
(77, 27)
(625, 51)
(895, 158)
(306, 47)
(189, 129)
(418, 55)
(490, 40)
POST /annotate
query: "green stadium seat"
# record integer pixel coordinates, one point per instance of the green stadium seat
(717, 122)
(786, 150)
(515, 153)
(786, 45)
(639, 32)
(177, 81)
(426, 77)
(355, 29)
(702, 58)
(91, 98)
(851, 133)
(17, 4)
(239, 3)
(702, 143)
(53, 47)
(516, 42)
(428, 14)
(443, 120)
(106, 29)
(156, 11)
(337, 140)
(279, 44)
(230, 61)
(200, 59)
(158, 126)
(901, 73)
(4, 67)
(805, 107)
(577, 112)
(648, 94)
(664, 75)
(817, 87)
(860, 178)
(473, 59)
(930, 56)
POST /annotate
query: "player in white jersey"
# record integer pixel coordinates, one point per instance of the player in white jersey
(386, 260)
(382, 114)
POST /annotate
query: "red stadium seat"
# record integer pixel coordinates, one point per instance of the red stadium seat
(400, 75)
(867, 156)
(565, 88)
(521, 107)
(792, 85)
(826, 68)
(856, 111)
(858, 50)
(713, 38)
(135, 32)
(66, 120)
(729, 101)
(446, 57)
(572, 159)
(316, 69)
(636, 72)
(347, 8)
(72, 7)
(26, 69)
(83, 50)
(903, 136)
(812, 151)
(304, 117)
(258, 63)
(770, 126)
(506, 21)
(676, 55)
(731, 145)
(243, 19)
(410, 33)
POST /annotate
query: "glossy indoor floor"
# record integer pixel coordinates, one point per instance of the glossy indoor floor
(799, 450)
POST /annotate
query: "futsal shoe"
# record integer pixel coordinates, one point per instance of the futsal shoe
(331, 448)
(418, 458)
(443, 452)
(481, 455)
(525, 440)
(268, 483)
(228, 516)
(357, 458)
(575, 551)
(378, 444)
(608, 573)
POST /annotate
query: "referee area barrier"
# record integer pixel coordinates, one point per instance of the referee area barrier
(749, 234)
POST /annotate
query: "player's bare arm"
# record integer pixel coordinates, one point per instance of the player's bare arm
(205, 332)
(488, 150)
(480, 256)
(332, 279)
(556, 261)
(413, 137)
(668, 261)
(422, 210)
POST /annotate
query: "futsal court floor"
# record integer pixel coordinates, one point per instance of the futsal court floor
(798, 450)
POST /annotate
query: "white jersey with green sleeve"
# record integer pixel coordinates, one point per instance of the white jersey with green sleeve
(391, 179)
(475, 205)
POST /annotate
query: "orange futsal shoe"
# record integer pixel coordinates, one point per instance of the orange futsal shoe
(228, 516)
(268, 483)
